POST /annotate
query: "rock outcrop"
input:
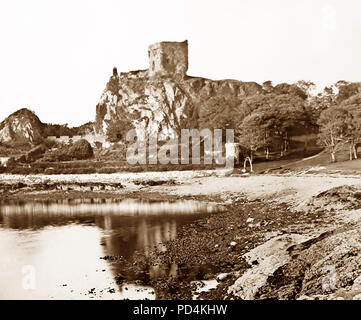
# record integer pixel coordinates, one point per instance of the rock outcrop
(163, 99)
(24, 126)
(319, 265)
(21, 126)
(265, 260)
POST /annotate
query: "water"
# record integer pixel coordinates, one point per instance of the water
(53, 249)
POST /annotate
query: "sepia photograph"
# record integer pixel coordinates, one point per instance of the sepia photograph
(180, 151)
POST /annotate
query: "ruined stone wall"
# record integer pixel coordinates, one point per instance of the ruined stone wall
(168, 59)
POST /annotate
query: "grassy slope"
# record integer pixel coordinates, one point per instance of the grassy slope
(321, 159)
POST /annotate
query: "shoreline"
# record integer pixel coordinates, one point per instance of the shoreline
(293, 189)
(251, 245)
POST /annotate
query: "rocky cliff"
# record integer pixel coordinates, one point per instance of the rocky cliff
(21, 126)
(162, 104)
(24, 126)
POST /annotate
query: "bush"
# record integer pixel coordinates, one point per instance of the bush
(80, 150)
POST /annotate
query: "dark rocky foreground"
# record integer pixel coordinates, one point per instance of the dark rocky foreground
(263, 250)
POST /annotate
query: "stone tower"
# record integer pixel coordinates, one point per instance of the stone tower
(168, 59)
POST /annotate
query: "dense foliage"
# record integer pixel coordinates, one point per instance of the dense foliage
(79, 150)
(58, 130)
(267, 121)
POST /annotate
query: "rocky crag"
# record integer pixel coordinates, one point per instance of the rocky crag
(24, 127)
(21, 126)
(163, 98)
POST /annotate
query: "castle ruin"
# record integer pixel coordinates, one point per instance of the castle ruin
(168, 59)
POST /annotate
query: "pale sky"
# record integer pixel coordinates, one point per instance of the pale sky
(56, 56)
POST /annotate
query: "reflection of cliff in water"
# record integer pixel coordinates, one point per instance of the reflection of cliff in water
(127, 207)
(40, 214)
(123, 237)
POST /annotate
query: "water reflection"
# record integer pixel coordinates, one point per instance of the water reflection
(129, 207)
(64, 240)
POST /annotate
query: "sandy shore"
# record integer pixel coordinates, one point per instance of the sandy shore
(294, 189)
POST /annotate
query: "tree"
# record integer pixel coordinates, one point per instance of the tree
(220, 112)
(322, 101)
(334, 126)
(283, 115)
(291, 89)
(254, 134)
(346, 90)
(253, 103)
(306, 86)
(267, 86)
(353, 106)
(290, 117)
